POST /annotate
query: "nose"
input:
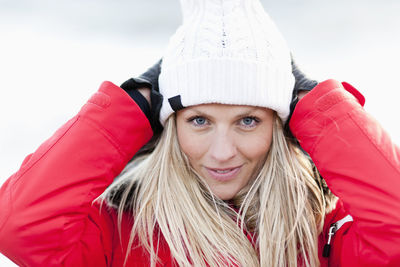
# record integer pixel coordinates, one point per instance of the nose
(223, 147)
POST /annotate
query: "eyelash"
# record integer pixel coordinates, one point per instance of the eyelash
(193, 119)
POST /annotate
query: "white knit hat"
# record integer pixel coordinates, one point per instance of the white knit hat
(228, 52)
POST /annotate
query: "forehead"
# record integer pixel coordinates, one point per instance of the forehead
(221, 109)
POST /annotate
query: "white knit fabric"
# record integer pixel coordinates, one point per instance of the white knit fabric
(228, 52)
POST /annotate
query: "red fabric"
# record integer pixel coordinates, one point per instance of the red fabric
(361, 165)
(47, 217)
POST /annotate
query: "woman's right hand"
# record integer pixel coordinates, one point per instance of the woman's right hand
(145, 92)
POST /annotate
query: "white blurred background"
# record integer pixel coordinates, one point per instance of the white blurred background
(54, 55)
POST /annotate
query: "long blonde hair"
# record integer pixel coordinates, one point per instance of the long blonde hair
(283, 208)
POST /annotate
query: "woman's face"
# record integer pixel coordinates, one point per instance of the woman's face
(225, 144)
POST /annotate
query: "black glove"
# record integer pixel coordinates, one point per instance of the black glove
(148, 79)
(302, 83)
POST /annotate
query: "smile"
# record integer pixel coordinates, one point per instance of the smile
(225, 174)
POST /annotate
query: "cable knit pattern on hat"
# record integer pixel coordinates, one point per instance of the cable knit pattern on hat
(229, 52)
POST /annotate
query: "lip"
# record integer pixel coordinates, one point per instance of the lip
(226, 176)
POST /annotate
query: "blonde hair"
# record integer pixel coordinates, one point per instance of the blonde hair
(283, 207)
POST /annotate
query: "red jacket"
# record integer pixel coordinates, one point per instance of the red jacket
(47, 219)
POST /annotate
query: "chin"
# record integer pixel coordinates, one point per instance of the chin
(226, 197)
(226, 193)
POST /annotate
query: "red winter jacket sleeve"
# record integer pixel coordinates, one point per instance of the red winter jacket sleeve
(46, 217)
(361, 165)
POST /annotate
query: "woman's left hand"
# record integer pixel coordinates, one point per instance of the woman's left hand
(302, 86)
(301, 94)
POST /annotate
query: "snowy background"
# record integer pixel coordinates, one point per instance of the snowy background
(54, 55)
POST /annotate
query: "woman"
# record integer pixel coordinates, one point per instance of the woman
(221, 184)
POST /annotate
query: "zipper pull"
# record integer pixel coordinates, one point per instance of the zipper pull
(332, 230)
(327, 247)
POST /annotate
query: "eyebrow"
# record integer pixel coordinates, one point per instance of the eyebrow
(240, 115)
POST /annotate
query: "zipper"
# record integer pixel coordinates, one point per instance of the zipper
(332, 230)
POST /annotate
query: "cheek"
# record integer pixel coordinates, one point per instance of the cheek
(257, 146)
(192, 145)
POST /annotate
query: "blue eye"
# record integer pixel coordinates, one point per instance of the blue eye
(249, 122)
(198, 121)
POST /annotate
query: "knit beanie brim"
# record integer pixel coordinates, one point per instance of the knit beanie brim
(227, 81)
